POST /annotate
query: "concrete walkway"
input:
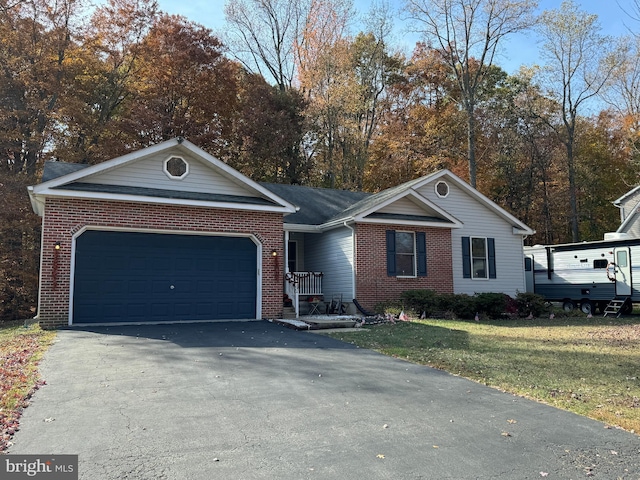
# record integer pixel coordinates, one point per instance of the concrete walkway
(256, 400)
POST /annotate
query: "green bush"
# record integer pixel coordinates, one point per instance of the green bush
(461, 305)
(420, 301)
(530, 303)
(390, 306)
(493, 305)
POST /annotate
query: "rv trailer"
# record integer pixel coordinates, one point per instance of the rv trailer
(591, 276)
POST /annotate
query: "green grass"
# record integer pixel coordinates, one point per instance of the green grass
(20, 351)
(588, 366)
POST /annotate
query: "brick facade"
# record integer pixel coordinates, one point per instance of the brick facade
(63, 217)
(372, 283)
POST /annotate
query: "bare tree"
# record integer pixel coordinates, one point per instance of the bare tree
(579, 62)
(262, 34)
(468, 33)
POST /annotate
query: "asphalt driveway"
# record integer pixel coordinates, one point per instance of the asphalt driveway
(254, 400)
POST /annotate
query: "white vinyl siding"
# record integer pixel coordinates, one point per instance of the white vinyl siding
(405, 206)
(149, 173)
(479, 221)
(331, 252)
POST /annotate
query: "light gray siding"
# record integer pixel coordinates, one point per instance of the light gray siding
(148, 172)
(331, 252)
(628, 205)
(480, 221)
(404, 206)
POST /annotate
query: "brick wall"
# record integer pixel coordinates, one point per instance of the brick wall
(63, 217)
(372, 283)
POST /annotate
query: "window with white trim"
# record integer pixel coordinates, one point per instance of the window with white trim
(405, 254)
(176, 168)
(479, 258)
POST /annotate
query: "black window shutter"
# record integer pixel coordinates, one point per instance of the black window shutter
(391, 253)
(491, 247)
(466, 258)
(421, 253)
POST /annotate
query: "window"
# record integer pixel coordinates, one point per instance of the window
(600, 263)
(406, 254)
(176, 168)
(478, 258)
(442, 189)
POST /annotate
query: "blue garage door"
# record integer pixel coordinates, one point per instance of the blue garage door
(143, 277)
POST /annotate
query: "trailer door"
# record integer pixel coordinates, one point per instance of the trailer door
(623, 271)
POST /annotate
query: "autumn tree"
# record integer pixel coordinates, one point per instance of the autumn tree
(420, 128)
(185, 86)
(579, 62)
(36, 43)
(110, 54)
(270, 124)
(468, 33)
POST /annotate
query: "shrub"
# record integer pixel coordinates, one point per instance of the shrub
(530, 303)
(389, 306)
(462, 305)
(493, 305)
(420, 300)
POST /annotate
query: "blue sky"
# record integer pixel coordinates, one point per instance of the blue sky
(520, 50)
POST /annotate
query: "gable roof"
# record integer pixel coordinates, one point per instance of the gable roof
(322, 208)
(70, 180)
(306, 208)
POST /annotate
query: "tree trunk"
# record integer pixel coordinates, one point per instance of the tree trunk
(573, 202)
(471, 144)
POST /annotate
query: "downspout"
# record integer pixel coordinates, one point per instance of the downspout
(353, 258)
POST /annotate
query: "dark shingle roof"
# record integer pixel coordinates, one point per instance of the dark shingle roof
(317, 205)
(58, 169)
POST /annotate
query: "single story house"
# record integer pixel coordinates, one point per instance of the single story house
(170, 233)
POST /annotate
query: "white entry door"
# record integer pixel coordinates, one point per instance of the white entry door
(623, 271)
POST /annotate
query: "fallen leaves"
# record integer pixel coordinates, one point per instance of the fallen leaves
(19, 354)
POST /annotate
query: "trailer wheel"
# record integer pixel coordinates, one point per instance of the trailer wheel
(568, 305)
(587, 307)
(627, 309)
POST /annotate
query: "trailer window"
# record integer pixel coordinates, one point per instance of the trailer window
(600, 263)
(621, 258)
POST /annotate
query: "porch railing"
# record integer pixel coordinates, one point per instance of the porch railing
(299, 284)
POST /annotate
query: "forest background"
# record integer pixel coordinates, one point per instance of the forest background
(307, 92)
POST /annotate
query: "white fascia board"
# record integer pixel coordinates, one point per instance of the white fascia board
(297, 227)
(37, 202)
(481, 198)
(409, 222)
(159, 200)
(519, 231)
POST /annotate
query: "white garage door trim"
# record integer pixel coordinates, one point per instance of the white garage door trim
(253, 238)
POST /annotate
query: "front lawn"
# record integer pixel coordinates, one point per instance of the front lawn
(20, 351)
(588, 366)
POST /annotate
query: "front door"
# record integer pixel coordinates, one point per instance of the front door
(623, 271)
